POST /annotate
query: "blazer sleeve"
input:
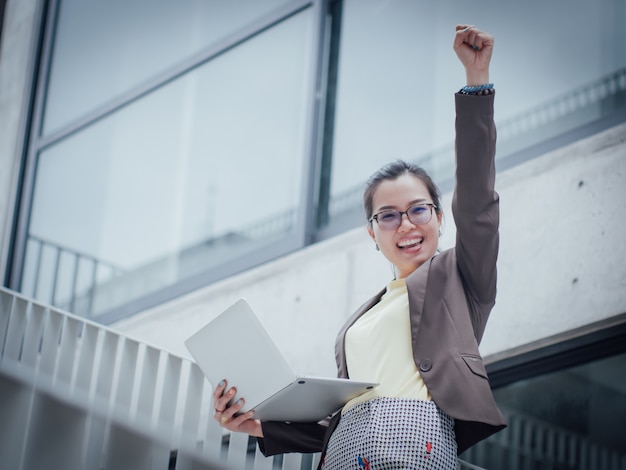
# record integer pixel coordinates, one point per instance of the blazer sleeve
(475, 203)
(281, 437)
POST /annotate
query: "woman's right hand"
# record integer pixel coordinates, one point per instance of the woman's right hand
(226, 415)
(474, 48)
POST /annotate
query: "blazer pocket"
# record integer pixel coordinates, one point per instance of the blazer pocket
(475, 364)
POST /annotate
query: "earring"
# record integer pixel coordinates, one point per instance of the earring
(376, 245)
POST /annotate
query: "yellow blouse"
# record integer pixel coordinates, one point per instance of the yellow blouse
(379, 349)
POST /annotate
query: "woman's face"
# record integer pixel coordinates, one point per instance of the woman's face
(410, 245)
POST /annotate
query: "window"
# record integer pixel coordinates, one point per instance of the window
(203, 172)
(102, 50)
(397, 73)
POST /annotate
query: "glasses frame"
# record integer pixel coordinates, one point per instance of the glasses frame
(401, 213)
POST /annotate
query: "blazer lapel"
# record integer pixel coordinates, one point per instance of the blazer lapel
(416, 285)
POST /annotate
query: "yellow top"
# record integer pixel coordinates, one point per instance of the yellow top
(379, 349)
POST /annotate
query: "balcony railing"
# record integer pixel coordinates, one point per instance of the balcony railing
(76, 395)
(64, 277)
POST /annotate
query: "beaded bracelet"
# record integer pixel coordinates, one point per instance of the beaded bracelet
(484, 89)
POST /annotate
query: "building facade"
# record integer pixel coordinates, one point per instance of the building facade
(159, 161)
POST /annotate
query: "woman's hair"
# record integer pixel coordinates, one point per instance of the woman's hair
(391, 171)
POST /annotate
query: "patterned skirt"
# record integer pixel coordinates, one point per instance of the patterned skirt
(392, 434)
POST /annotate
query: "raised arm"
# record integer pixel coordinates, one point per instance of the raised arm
(475, 204)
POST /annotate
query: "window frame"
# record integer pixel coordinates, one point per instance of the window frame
(35, 143)
(588, 343)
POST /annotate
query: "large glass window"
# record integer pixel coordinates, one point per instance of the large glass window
(103, 49)
(203, 171)
(397, 72)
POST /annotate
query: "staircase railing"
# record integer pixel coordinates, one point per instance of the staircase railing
(77, 395)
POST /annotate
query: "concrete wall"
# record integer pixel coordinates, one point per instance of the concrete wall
(563, 243)
(562, 265)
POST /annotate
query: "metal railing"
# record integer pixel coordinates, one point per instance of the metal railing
(85, 284)
(76, 395)
(82, 273)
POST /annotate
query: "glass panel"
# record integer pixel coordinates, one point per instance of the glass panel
(205, 170)
(567, 420)
(104, 48)
(398, 72)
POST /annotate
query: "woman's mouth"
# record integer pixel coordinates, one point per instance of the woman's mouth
(409, 243)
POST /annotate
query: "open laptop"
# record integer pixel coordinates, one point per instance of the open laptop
(235, 346)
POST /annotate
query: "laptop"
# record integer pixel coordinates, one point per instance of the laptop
(235, 346)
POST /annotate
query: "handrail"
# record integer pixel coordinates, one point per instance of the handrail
(85, 291)
(77, 395)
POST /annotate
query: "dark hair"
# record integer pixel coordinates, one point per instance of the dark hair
(392, 171)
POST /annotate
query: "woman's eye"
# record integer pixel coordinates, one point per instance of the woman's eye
(417, 209)
(387, 216)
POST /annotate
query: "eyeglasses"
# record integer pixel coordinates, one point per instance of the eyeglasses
(418, 214)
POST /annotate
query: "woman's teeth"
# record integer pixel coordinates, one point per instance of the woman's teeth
(411, 242)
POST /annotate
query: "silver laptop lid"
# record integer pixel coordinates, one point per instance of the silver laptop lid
(235, 346)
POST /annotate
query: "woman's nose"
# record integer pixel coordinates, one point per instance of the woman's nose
(405, 223)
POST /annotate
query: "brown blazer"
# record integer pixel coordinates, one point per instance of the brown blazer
(450, 298)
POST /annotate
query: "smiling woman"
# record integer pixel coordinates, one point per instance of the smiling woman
(417, 338)
(405, 241)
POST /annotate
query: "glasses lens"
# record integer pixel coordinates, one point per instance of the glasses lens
(419, 214)
(389, 220)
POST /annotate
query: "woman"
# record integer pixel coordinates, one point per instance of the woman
(418, 337)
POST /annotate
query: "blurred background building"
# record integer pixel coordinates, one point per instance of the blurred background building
(159, 160)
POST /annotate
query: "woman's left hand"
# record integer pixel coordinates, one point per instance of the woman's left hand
(474, 48)
(228, 415)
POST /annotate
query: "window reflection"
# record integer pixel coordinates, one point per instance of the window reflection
(397, 74)
(203, 171)
(103, 49)
(567, 420)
